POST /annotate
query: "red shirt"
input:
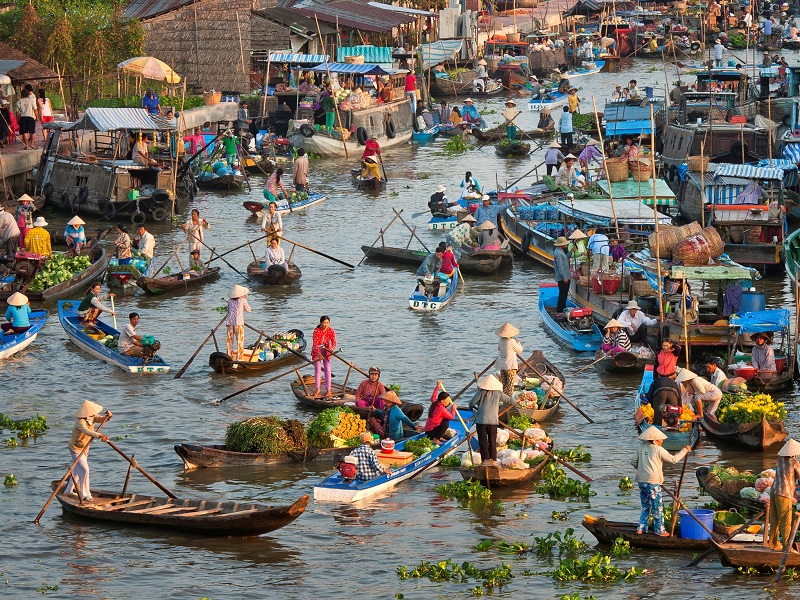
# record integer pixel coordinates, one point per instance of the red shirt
(322, 338)
(371, 148)
(439, 414)
(449, 263)
(411, 82)
(666, 362)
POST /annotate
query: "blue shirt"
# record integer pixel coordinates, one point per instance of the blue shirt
(566, 123)
(151, 104)
(768, 27)
(483, 214)
(396, 420)
(430, 266)
(599, 244)
(369, 467)
(18, 315)
(561, 264)
(470, 111)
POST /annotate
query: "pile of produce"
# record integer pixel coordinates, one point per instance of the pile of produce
(646, 413)
(739, 408)
(761, 488)
(336, 427)
(730, 480)
(110, 341)
(535, 395)
(269, 435)
(418, 447)
(508, 449)
(583, 121)
(514, 145)
(57, 270)
(287, 340)
(295, 197)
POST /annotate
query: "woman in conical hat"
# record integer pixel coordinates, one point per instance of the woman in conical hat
(237, 306)
(83, 432)
(17, 314)
(615, 339)
(74, 234)
(507, 350)
(649, 464)
(487, 403)
(781, 495)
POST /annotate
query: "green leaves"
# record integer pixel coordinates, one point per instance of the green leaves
(446, 570)
(595, 569)
(25, 428)
(557, 485)
(625, 484)
(419, 447)
(466, 491)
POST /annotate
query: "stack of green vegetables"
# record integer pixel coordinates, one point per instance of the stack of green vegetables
(319, 430)
(507, 143)
(730, 479)
(583, 121)
(57, 270)
(269, 435)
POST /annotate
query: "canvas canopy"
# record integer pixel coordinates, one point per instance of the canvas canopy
(348, 69)
(114, 119)
(761, 321)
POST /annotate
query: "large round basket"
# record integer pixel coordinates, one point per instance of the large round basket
(641, 169)
(698, 163)
(617, 169)
(662, 243)
(697, 249)
(685, 231)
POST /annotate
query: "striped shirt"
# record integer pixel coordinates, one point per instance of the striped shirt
(236, 309)
(369, 467)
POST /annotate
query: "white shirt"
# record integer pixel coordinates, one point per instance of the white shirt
(147, 244)
(275, 220)
(633, 323)
(126, 338)
(507, 349)
(276, 256)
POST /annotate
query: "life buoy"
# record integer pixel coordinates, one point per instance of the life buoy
(672, 173)
(158, 213)
(138, 218)
(83, 194)
(361, 136)
(47, 191)
(220, 362)
(391, 132)
(307, 131)
(108, 209)
(525, 243)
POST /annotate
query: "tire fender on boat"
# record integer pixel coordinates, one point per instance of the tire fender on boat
(83, 194)
(219, 361)
(525, 243)
(391, 132)
(307, 131)
(158, 213)
(138, 218)
(47, 191)
(361, 136)
(109, 210)
(672, 172)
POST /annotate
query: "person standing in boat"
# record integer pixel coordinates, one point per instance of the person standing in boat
(489, 212)
(469, 184)
(122, 245)
(562, 272)
(38, 239)
(554, 157)
(300, 173)
(368, 466)
(616, 339)
(91, 306)
(719, 51)
(9, 232)
(573, 102)
(565, 126)
(194, 231)
(272, 223)
(634, 319)
(24, 216)
(83, 432)
(146, 243)
(781, 495)
(649, 464)
(487, 403)
(371, 148)
(666, 361)
(590, 154)
(509, 114)
(508, 348)
(322, 348)
(369, 392)
(237, 306)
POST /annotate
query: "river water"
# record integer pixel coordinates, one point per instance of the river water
(331, 550)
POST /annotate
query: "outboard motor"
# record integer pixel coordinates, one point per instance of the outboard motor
(581, 319)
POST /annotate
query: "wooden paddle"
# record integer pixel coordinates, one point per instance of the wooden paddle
(385, 177)
(741, 528)
(788, 546)
(328, 256)
(213, 252)
(541, 376)
(180, 373)
(460, 418)
(83, 451)
(419, 214)
(255, 385)
(140, 469)
(113, 311)
(594, 362)
(474, 380)
(678, 494)
(219, 256)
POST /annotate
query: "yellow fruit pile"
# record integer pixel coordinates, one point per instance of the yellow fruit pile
(350, 425)
(647, 412)
(687, 415)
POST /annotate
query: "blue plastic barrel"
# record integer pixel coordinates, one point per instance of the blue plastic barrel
(649, 91)
(691, 529)
(752, 301)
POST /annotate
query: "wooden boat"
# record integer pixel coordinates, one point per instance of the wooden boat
(444, 86)
(499, 133)
(753, 436)
(221, 182)
(538, 360)
(198, 456)
(581, 333)
(303, 391)
(442, 223)
(676, 439)
(364, 183)
(337, 489)
(71, 322)
(724, 498)
(419, 302)
(496, 476)
(253, 364)
(755, 556)
(274, 276)
(425, 136)
(551, 100)
(176, 281)
(624, 362)
(258, 164)
(283, 206)
(12, 344)
(202, 517)
(514, 148)
(608, 531)
(476, 264)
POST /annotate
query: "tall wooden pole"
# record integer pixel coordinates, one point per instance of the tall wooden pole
(655, 216)
(327, 68)
(605, 166)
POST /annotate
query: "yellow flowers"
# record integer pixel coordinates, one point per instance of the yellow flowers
(749, 409)
(350, 425)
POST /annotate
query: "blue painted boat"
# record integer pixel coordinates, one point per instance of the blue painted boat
(282, 207)
(676, 439)
(442, 223)
(577, 330)
(550, 100)
(337, 489)
(71, 322)
(418, 301)
(11, 344)
(425, 136)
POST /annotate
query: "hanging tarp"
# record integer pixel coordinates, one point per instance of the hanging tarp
(791, 152)
(115, 119)
(630, 189)
(761, 321)
(297, 59)
(749, 172)
(644, 263)
(438, 52)
(371, 54)
(348, 69)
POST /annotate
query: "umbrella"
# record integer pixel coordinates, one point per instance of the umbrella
(149, 68)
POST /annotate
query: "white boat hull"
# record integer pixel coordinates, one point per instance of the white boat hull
(329, 147)
(18, 348)
(105, 359)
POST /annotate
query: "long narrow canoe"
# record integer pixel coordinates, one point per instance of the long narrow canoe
(676, 439)
(497, 476)
(580, 338)
(750, 436)
(256, 272)
(176, 281)
(419, 302)
(222, 363)
(337, 489)
(216, 456)
(477, 264)
(608, 531)
(284, 207)
(76, 332)
(203, 517)
(724, 498)
(11, 344)
(624, 363)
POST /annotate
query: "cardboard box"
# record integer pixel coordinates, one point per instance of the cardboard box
(396, 458)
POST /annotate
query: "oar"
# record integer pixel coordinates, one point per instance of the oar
(708, 552)
(180, 373)
(594, 362)
(474, 380)
(328, 256)
(789, 543)
(541, 376)
(280, 343)
(237, 248)
(396, 214)
(551, 455)
(385, 177)
(113, 311)
(468, 430)
(83, 451)
(174, 253)
(678, 494)
(349, 364)
(140, 469)
(213, 252)
(461, 277)
(255, 385)
(419, 214)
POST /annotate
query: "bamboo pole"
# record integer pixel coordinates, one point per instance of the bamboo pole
(655, 219)
(702, 187)
(327, 68)
(605, 166)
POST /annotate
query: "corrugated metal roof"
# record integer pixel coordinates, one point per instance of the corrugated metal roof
(750, 172)
(402, 9)
(355, 15)
(146, 9)
(629, 212)
(10, 65)
(371, 54)
(620, 111)
(628, 127)
(113, 119)
(295, 21)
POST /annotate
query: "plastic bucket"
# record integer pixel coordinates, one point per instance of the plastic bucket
(691, 529)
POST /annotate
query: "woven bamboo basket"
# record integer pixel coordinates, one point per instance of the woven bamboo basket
(752, 235)
(698, 163)
(640, 170)
(696, 250)
(685, 231)
(513, 37)
(662, 243)
(640, 287)
(617, 169)
(211, 98)
(714, 240)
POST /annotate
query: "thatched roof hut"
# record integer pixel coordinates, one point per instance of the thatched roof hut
(21, 68)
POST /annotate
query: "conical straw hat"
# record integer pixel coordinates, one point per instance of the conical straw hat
(685, 375)
(653, 433)
(17, 299)
(790, 448)
(490, 382)
(507, 330)
(75, 221)
(613, 323)
(88, 409)
(238, 291)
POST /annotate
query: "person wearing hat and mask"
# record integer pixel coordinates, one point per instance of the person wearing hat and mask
(395, 418)
(37, 240)
(649, 464)
(562, 272)
(368, 466)
(489, 212)
(369, 392)
(577, 243)
(481, 70)
(702, 396)
(487, 404)
(469, 185)
(489, 238)
(510, 113)
(567, 170)
(439, 205)
(24, 216)
(508, 348)
(554, 157)
(428, 272)
(17, 315)
(546, 122)
(9, 232)
(371, 169)
(471, 114)
(719, 51)
(461, 235)
(566, 128)
(636, 322)
(74, 234)
(781, 494)
(615, 339)
(237, 306)
(323, 345)
(83, 432)
(762, 354)
(441, 411)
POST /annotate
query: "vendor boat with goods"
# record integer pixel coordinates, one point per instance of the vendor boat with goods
(749, 421)
(726, 485)
(267, 355)
(761, 324)
(536, 393)
(17, 342)
(100, 341)
(575, 327)
(120, 272)
(664, 411)
(296, 201)
(632, 361)
(513, 466)
(180, 281)
(404, 465)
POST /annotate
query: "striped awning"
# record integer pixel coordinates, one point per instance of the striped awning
(300, 59)
(792, 152)
(750, 172)
(371, 54)
(114, 119)
(348, 69)
(438, 52)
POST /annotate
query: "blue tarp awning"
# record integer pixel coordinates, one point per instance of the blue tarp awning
(348, 69)
(628, 127)
(621, 111)
(114, 119)
(299, 59)
(438, 52)
(371, 54)
(761, 321)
